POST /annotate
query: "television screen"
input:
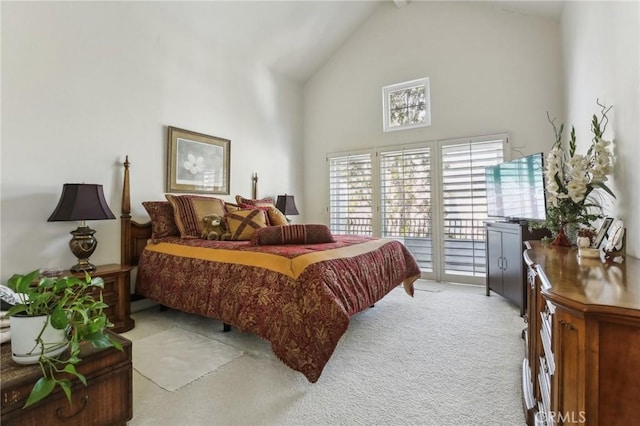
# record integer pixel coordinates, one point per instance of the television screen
(515, 189)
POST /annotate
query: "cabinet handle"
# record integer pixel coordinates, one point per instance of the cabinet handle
(60, 415)
(500, 263)
(567, 325)
(506, 263)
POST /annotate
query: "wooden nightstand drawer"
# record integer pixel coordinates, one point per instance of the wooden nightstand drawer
(116, 294)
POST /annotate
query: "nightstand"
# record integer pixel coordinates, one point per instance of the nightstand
(116, 294)
(106, 400)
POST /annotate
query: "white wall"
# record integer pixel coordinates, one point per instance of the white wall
(85, 83)
(490, 71)
(601, 54)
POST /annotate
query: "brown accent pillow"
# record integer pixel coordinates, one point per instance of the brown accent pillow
(262, 202)
(293, 234)
(190, 210)
(163, 223)
(243, 223)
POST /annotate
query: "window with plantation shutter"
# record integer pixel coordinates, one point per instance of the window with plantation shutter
(431, 196)
(464, 202)
(405, 191)
(350, 194)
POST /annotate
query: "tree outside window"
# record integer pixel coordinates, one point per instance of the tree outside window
(406, 105)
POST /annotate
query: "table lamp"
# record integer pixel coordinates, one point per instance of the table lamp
(287, 205)
(81, 202)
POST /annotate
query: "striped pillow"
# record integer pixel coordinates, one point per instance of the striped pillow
(292, 234)
(243, 223)
(189, 210)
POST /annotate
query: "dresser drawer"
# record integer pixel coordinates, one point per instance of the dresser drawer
(106, 400)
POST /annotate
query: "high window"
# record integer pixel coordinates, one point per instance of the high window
(430, 196)
(406, 105)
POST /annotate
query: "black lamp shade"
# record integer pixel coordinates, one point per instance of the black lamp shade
(81, 201)
(287, 205)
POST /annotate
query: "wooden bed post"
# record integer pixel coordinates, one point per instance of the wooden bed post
(125, 218)
(254, 188)
(134, 235)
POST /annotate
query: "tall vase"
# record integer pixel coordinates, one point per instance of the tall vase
(571, 231)
(561, 238)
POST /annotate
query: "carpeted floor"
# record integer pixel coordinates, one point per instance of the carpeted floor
(449, 356)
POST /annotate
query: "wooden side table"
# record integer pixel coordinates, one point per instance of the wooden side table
(116, 294)
(106, 400)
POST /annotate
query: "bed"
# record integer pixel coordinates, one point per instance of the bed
(299, 297)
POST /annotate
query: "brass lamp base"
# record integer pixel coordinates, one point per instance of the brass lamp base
(82, 245)
(83, 267)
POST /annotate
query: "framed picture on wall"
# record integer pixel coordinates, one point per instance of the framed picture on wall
(197, 163)
(602, 232)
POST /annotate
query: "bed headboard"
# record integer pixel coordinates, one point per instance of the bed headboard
(134, 235)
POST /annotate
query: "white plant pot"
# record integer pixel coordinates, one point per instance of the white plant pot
(584, 242)
(25, 348)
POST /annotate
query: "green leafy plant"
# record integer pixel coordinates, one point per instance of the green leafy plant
(70, 304)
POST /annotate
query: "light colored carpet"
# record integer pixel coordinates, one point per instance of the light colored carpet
(449, 356)
(175, 357)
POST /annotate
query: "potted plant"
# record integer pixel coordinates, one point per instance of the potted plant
(585, 236)
(66, 306)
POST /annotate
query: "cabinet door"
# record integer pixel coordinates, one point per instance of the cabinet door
(494, 260)
(568, 390)
(512, 273)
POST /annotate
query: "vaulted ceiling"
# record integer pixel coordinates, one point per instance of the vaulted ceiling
(296, 37)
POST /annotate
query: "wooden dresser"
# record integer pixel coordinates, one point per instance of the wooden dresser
(582, 363)
(106, 400)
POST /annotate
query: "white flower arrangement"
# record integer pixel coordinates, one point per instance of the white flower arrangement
(570, 177)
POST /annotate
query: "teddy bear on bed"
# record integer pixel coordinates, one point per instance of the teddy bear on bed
(213, 228)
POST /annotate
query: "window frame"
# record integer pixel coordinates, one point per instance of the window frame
(386, 112)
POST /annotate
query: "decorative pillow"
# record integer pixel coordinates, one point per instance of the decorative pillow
(243, 223)
(292, 234)
(265, 209)
(262, 202)
(230, 207)
(190, 210)
(276, 217)
(163, 223)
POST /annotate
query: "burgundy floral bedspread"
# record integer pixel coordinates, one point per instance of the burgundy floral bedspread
(299, 298)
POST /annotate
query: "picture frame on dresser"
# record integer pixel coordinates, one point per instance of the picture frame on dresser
(197, 163)
(602, 232)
